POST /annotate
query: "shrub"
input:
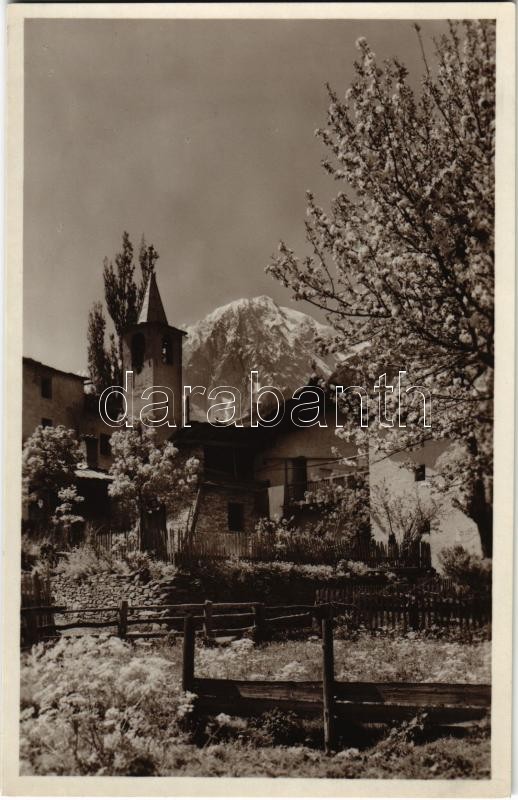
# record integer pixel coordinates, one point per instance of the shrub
(38, 553)
(82, 561)
(467, 570)
(95, 707)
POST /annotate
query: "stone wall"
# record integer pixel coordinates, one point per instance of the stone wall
(213, 509)
(104, 590)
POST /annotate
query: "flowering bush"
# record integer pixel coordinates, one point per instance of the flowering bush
(468, 570)
(94, 707)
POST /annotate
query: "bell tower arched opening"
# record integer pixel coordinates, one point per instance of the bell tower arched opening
(138, 350)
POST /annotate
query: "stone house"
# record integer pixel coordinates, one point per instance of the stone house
(54, 397)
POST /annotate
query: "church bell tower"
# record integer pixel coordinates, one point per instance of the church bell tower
(152, 349)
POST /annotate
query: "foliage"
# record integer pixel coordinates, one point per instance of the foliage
(405, 518)
(442, 758)
(50, 458)
(38, 553)
(94, 707)
(147, 475)
(339, 519)
(100, 706)
(102, 362)
(123, 296)
(466, 569)
(65, 515)
(287, 543)
(381, 656)
(85, 560)
(343, 508)
(403, 264)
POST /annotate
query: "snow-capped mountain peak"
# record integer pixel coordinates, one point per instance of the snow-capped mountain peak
(281, 344)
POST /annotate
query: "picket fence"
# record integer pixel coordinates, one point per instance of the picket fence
(178, 545)
(36, 594)
(378, 607)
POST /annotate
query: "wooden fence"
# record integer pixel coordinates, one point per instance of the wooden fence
(337, 703)
(264, 547)
(415, 609)
(36, 594)
(215, 620)
(179, 546)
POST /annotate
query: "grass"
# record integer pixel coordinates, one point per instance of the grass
(368, 658)
(443, 758)
(87, 684)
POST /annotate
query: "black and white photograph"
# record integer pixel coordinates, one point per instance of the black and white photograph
(261, 472)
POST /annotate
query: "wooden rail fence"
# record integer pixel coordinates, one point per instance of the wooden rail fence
(410, 610)
(336, 703)
(215, 620)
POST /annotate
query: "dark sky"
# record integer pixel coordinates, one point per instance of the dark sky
(199, 134)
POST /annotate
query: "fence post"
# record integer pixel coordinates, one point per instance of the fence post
(123, 619)
(188, 654)
(259, 627)
(328, 679)
(413, 614)
(32, 627)
(207, 620)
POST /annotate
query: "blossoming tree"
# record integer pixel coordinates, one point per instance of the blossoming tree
(50, 458)
(402, 264)
(148, 476)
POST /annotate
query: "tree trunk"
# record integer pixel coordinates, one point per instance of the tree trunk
(482, 513)
(480, 505)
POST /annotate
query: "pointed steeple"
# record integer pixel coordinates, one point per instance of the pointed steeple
(152, 309)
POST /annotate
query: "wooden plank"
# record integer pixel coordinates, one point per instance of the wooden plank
(82, 624)
(90, 610)
(233, 618)
(160, 620)
(295, 620)
(295, 609)
(233, 631)
(415, 694)
(384, 712)
(306, 691)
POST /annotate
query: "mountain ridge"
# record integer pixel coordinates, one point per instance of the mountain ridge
(256, 333)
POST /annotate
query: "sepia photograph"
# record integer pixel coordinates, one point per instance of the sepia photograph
(260, 491)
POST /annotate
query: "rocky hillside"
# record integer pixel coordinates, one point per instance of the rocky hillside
(253, 334)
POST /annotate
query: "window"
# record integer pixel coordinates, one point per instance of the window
(46, 423)
(138, 348)
(167, 350)
(236, 517)
(46, 388)
(420, 472)
(91, 451)
(105, 446)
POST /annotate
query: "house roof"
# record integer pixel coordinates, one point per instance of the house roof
(39, 364)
